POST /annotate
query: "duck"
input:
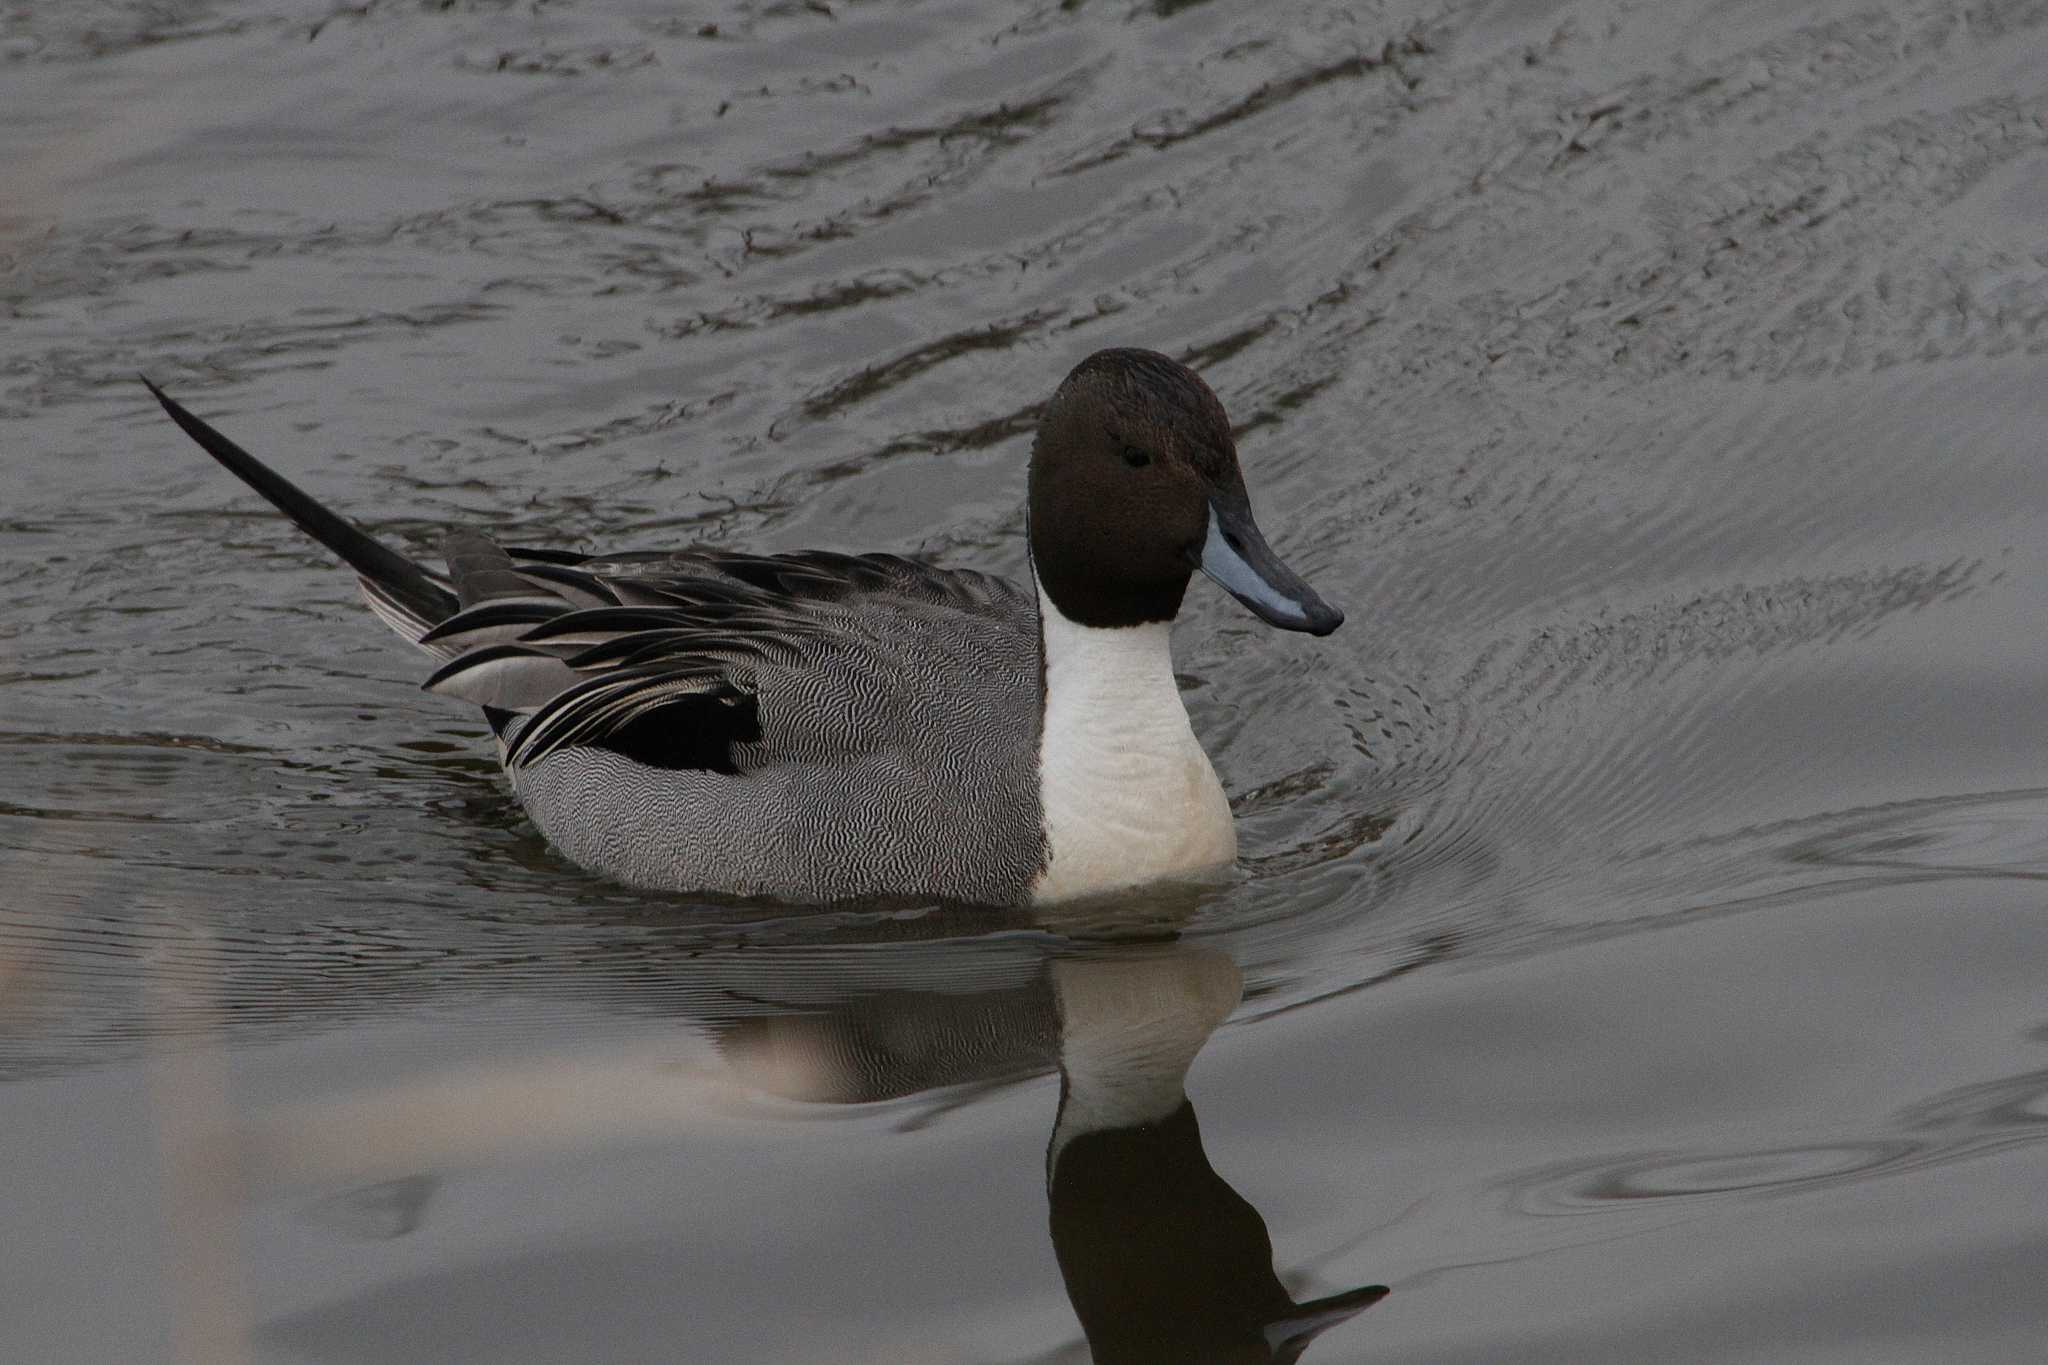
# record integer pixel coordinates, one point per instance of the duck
(819, 727)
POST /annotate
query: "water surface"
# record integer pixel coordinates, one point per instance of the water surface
(1637, 947)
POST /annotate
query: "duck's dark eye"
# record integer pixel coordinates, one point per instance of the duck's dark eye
(1134, 457)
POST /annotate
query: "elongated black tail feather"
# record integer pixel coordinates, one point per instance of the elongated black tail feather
(390, 572)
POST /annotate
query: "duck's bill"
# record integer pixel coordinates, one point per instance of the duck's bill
(1237, 556)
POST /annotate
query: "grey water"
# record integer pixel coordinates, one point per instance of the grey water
(1638, 947)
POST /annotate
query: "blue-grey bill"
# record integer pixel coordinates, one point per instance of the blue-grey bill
(1238, 558)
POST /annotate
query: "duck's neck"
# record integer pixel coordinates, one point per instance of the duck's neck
(1128, 795)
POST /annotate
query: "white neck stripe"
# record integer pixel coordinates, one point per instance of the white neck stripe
(1128, 795)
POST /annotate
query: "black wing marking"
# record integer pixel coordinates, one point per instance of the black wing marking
(621, 702)
(700, 730)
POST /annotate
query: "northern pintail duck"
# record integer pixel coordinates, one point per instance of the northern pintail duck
(821, 727)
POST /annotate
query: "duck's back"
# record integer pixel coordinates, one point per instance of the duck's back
(811, 727)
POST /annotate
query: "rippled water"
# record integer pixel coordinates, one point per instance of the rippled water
(1639, 947)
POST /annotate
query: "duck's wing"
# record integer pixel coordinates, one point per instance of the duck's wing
(717, 660)
(706, 659)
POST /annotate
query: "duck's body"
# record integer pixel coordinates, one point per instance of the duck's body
(851, 709)
(820, 727)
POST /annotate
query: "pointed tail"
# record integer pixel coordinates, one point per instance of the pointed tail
(403, 593)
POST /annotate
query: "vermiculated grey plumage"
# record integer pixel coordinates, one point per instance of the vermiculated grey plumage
(852, 761)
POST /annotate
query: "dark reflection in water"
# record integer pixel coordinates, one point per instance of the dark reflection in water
(1165, 1262)
(1162, 1260)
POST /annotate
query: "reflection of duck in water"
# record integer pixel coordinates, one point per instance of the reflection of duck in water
(1163, 1260)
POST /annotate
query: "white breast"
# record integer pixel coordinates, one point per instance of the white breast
(1129, 796)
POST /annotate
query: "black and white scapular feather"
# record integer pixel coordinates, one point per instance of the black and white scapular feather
(819, 726)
